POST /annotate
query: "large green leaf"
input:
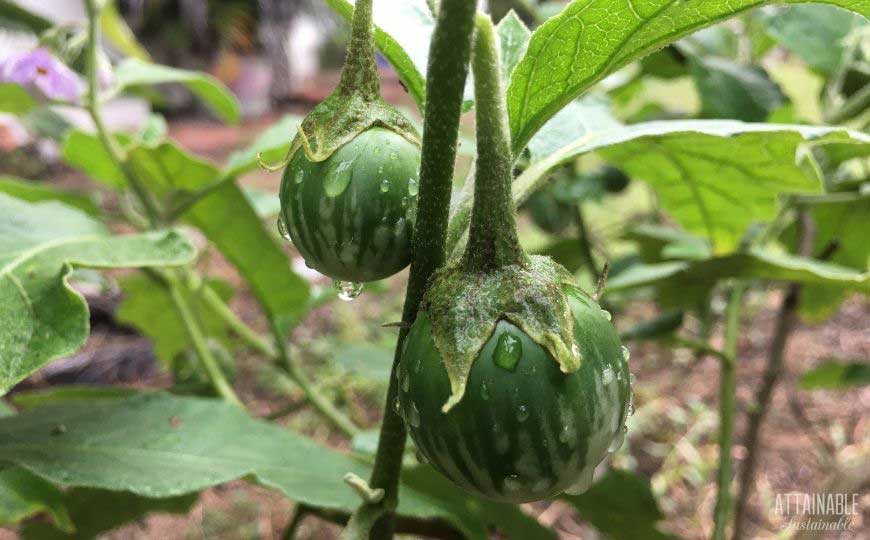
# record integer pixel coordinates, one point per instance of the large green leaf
(23, 494)
(835, 374)
(135, 72)
(590, 39)
(513, 37)
(622, 506)
(15, 100)
(31, 191)
(713, 177)
(272, 145)
(402, 33)
(228, 220)
(42, 317)
(157, 445)
(732, 90)
(15, 17)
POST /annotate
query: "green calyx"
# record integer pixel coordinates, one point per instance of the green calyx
(356, 104)
(464, 309)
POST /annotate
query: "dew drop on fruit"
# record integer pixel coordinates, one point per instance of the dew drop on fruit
(348, 290)
(575, 350)
(508, 351)
(631, 379)
(413, 187)
(394, 156)
(484, 391)
(282, 230)
(583, 483)
(385, 185)
(568, 434)
(607, 375)
(414, 415)
(630, 404)
(512, 483)
(397, 407)
(606, 314)
(377, 150)
(299, 176)
(406, 381)
(626, 354)
(522, 413)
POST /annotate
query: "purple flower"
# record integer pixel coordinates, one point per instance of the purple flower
(40, 69)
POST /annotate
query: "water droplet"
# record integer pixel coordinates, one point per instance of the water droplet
(404, 202)
(394, 156)
(523, 413)
(607, 375)
(282, 230)
(397, 407)
(626, 354)
(406, 381)
(575, 350)
(484, 391)
(630, 404)
(348, 290)
(619, 376)
(299, 176)
(606, 314)
(508, 351)
(385, 185)
(512, 483)
(381, 169)
(631, 379)
(583, 483)
(568, 434)
(377, 150)
(414, 415)
(413, 187)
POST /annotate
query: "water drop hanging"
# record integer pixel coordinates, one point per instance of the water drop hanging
(508, 351)
(413, 187)
(282, 230)
(348, 290)
(385, 185)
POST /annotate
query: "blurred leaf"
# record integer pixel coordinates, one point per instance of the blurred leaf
(719, 40)
(95, 511)
(514, 38)
(23, 495)
(30, 399)
(148, 307)
(736, 91)
(845, 220)
(668, 63)
(85, 152)
(579, 120)
(15, 17)
(15, 100)
(369, 361)
(229, 221)
(43, 318)
(660, 327)
(116, 31)
(31, 191)
(265, 203)
(814, 32)
(274, 143)
(134, 72)
(654, 240)
(402, 33)
(622, 506)
(835, 374)
(158, 445)
(6, 409)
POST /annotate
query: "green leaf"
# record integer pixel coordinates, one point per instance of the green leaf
(135, 72)
(815, 33)
(732, 90)
(15, 100)
(229, 221)
(43, 318)
(714, 177)
(845, 220)
(95, 511)
(591, 39)
(835, 374)
(265, 203)
(15, 17)
(23, 495)
(6, 409)
(622, 506)
(158, 445)
(120, 35)
(31, 191)
(579, 120)
(692, 279)
(371, 362)
(402, 33)
(660, 327)
(148, 307)
(273, 145)
(61, 394)
(513, 36)
(86, 152)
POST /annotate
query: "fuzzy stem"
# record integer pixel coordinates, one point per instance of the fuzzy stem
(727, 387)
(360, 74)
(492, 238)
(449, 52)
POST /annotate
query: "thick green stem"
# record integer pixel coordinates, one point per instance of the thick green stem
(360, 74)
(449, 53)
(727, 386)
(493, 241)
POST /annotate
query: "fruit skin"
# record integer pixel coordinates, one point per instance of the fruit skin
(361, 232)
(487, 444)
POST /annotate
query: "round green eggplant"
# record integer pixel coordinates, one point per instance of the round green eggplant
(352, 215)
(524, 430)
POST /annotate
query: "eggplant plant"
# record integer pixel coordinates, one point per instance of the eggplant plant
(508, 381)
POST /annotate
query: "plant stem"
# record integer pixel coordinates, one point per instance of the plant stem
(492, 238)
(194, 332)
(583, 239)
(360, 74)
(449, 53)
(727, 386)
